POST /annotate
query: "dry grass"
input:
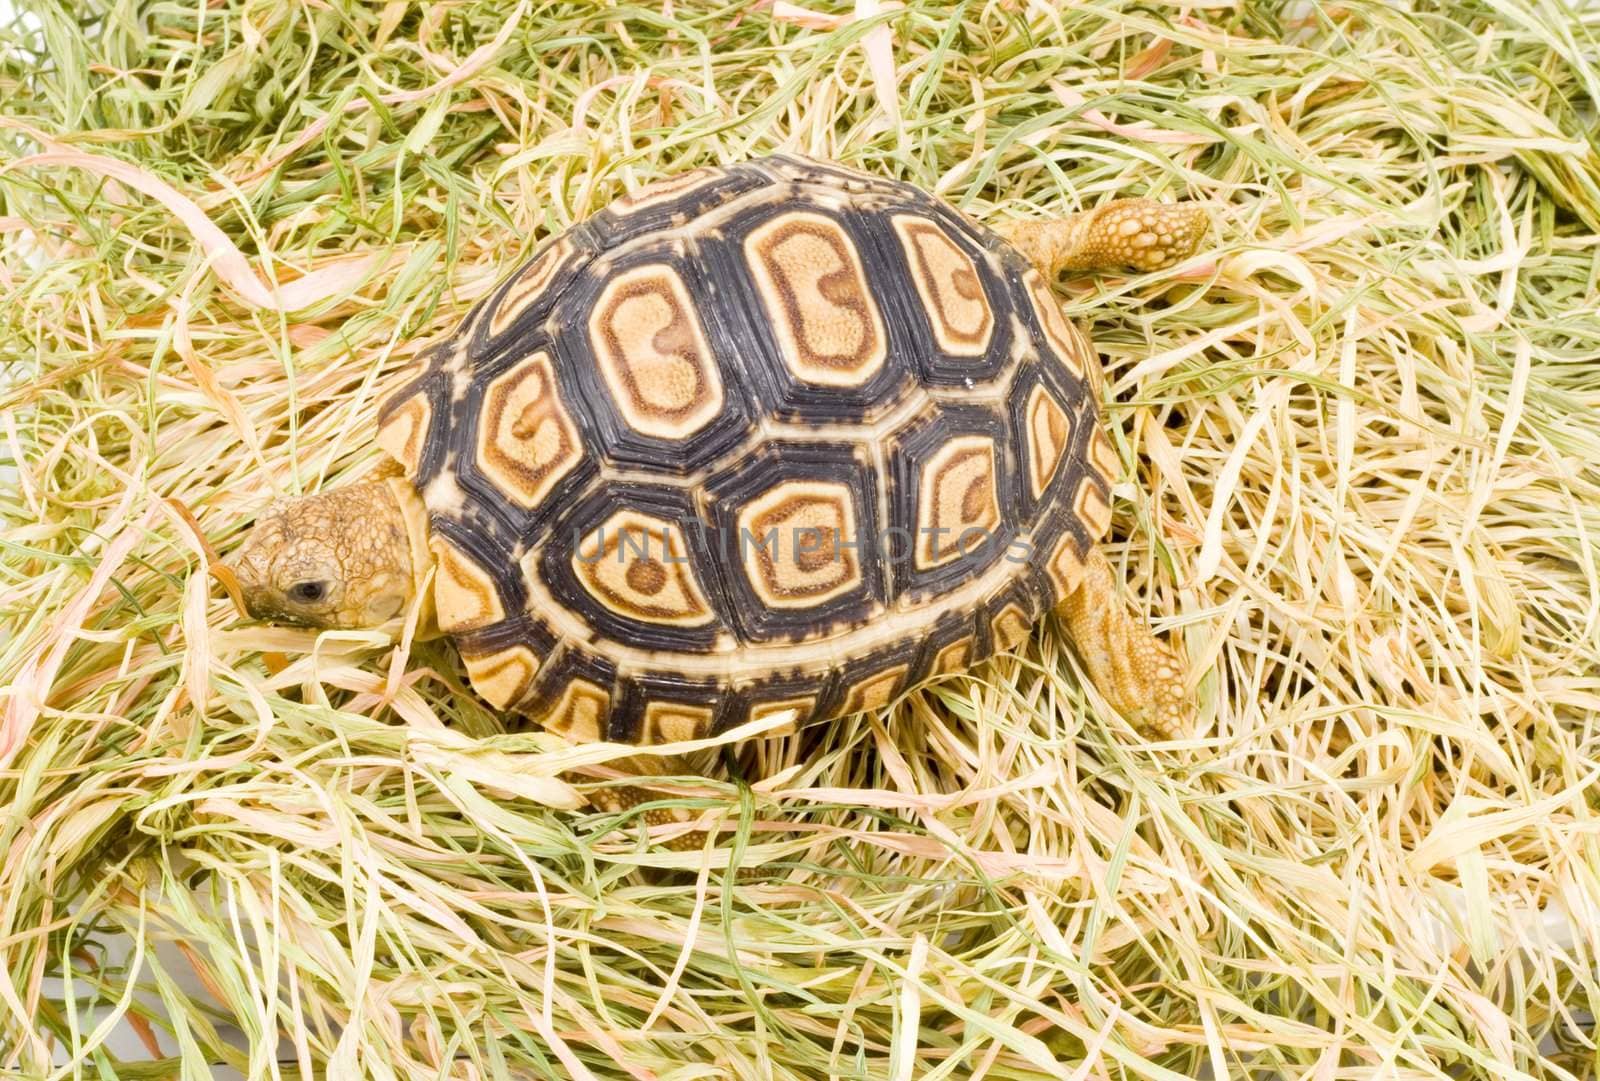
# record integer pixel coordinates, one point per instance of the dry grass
(1362, 481)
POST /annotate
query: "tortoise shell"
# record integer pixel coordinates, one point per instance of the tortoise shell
(775, 436)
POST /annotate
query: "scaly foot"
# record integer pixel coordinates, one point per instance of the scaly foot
(1142, 676)
(1138, 233)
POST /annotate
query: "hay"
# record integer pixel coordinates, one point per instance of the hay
(1361, 481)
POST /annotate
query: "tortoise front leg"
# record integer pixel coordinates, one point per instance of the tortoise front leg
(1138, 233)
(625, 797)
(1139, 674)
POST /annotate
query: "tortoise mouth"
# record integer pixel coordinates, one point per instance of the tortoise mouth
(256, 606)
(260, 605)
(273, 615)
(266, 612)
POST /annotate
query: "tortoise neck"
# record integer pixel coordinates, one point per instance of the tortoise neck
(415, 516)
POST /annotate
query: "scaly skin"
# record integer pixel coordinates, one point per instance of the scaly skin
(1139, 674)
(367, 545)
(1138, 233)
(625, 797)
(356, 545)
(1142, 676)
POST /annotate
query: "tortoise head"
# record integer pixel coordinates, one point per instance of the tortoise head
(344, 558)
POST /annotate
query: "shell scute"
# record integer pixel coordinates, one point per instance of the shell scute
(797, 526)
(951, 498)
(631, 563)
(524, 299)
(638, 343)
(799, 300)
(527, 441)
(673, 202)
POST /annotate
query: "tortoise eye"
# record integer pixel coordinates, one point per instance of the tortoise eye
(308, 592)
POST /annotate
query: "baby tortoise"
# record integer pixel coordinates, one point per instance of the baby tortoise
(778, 436)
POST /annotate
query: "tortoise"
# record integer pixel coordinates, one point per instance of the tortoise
(772, 437)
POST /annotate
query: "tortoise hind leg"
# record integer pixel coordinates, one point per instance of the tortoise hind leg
(1139, 674)
(1139, 233)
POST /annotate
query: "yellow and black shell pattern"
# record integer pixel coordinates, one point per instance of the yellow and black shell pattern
(775, 436)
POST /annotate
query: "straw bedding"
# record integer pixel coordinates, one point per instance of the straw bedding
(1361, 484)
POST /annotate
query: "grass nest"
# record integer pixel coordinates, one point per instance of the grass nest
(1360, 481)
